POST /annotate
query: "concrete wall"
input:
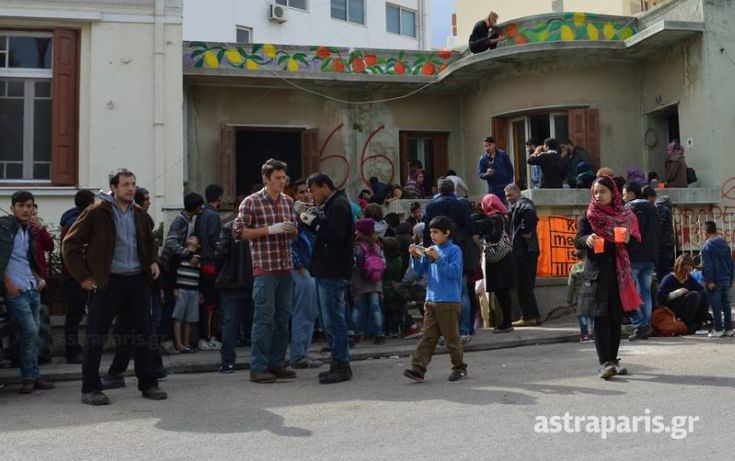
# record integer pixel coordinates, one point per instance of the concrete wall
(614, 93)
(130, 101)
(204, 21)
(213, 106)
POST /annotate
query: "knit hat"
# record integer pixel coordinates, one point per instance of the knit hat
(365, 226)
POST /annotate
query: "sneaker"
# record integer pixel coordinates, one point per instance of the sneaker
(204, 345)
(95, 398)
(282, 373)
(728, 333)
(412, 332)
(306, 363)
(262, 377)
(465, 339)
(414, 374)
(214, 344)
(457, 375)
(441, 341)
(113, 382)
(620, 370)
(154, 393)
(643, 332)
(226, 368)
(701, 332)
(584, 338)
(526, 323)
(379, 340)
(716, 334)
(499, 330)
(608, 370)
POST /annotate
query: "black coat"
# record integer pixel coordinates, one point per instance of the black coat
(599, 295)
(553, 169)
(523, 221)
(647, 249)
(459, 211)
(332, 253)
(500, 275)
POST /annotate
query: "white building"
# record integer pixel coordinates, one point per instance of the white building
(86, 87)
(394, 24)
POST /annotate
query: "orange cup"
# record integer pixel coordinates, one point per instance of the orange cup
(620, 234)
(660, 185)
(598, 245)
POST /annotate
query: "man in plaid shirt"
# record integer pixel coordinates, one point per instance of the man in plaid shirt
(267, 220)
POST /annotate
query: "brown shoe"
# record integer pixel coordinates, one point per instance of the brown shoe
(526, 323)
(27, 386)
(282, 373)
(262, 377)
(43, 384)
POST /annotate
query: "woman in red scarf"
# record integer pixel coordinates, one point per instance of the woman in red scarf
(500, 276)
(608, 288)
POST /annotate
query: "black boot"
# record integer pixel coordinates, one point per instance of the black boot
(341, 372)
(332, 364)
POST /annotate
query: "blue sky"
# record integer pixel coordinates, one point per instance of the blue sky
(441, 21)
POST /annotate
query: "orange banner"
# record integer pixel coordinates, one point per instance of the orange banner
(556, 242)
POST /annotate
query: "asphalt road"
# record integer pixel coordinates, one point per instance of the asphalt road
(496, 413)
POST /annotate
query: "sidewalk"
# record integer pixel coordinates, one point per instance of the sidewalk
(560, 330)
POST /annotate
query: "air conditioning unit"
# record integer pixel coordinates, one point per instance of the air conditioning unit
(277, 13)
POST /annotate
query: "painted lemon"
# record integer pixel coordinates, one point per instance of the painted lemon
(210, 59)
(566, 33)
(542, 36)
(608, 31)
(292, 65)
(626, 33)
(233, 57)
(592, 32)
(579, 19)
(251, 65)
(269, 50)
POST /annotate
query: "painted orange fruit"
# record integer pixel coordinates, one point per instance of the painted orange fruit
(428, 69)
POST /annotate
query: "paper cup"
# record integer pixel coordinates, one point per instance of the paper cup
(620, 234)
(598, 245)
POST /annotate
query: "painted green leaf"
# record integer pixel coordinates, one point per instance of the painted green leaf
(541, 27)
(554, 25)
(299, 56)
(325, 64)
(220, 54)
(282, 59)
(554, 37)
(355, 54)
(242, 52)
(257, 48)
(531, 37)
(301, 59)
(196, 53)
(198, 45)
(581, 34)
(199, 63)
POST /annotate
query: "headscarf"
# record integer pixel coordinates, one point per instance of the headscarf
(365, 226)
(492, 205)
(634, 174)
(604, 219)
(675, 150)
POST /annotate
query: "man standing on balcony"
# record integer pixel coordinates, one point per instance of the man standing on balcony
(485, 36)
(495, 168)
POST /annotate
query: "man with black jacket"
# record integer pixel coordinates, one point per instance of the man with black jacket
(481, 39)
(553, 168)
(642, 256)
(207, 229)
(523, 221)
(110, 248)
(331, 266)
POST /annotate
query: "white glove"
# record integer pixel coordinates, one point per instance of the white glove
(677, 293)
(281, 228)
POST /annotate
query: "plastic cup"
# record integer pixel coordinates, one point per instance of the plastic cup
(598, 245)
(620, 234)
(660, 185)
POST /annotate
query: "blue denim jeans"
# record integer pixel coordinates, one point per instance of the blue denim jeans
(304, 313)
(273, 295)
(25, 308)
(643, 276)
(232, 307)
(464, 320)
(331, 297)
(719, 300)
(367, 315)
(586, 324)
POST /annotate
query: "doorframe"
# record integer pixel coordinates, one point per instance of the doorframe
(403, 136)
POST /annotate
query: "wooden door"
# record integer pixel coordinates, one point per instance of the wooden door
(65, 108)
(584, 131)
(228, 166)
(309, 152)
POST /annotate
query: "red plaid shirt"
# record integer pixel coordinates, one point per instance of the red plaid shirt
(272, 252)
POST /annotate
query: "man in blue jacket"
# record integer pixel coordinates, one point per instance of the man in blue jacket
(495, 168)
(718, 278)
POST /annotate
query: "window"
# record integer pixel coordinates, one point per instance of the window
(244, 34)
(349, 10)
(25, 106)
(300, 4)
(400, 20)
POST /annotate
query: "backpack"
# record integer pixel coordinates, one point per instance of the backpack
(666, 323)
(373, 265)
(691, 175)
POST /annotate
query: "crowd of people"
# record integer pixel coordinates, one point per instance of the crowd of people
(299, 261)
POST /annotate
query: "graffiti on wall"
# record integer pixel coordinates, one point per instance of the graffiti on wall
(334, 161)
(556, 243)
(568, 27)
(321, 59)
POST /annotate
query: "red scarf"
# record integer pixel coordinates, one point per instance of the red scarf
(604, 219)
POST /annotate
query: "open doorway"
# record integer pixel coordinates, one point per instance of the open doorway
(428, 148)
(254, 146)
(662, 127)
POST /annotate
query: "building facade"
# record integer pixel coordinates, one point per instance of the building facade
(85, 87)
(395, 24)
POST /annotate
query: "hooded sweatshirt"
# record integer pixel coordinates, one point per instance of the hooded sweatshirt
(717, 262)
(125, 260)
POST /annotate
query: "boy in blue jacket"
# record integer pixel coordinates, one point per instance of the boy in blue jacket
(443, 262)
(718, 277)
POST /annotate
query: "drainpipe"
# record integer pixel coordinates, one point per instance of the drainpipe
(420, 24)
(159, 127)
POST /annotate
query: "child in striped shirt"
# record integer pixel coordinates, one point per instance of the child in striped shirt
(186, 311)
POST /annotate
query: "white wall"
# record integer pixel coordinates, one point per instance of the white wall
(120, 88)
(315, 26)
